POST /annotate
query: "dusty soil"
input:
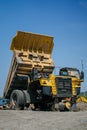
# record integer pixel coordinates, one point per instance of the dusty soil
(38, 120)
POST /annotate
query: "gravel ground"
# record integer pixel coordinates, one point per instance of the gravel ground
(38, 120)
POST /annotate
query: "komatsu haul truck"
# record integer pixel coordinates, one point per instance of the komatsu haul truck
(30, 81)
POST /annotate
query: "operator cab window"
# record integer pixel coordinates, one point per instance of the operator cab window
(74, 73)
(63, 73)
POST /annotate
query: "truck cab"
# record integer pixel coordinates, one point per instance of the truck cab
(76, 76)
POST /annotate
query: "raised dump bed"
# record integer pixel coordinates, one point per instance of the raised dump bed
(30, 80)
(30, 51)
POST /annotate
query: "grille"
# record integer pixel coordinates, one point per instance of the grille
(64, 87)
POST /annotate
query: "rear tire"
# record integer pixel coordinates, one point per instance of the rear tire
(17, 99)
(26, 98)
(54, 107)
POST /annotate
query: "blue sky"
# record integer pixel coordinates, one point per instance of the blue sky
(65, 20)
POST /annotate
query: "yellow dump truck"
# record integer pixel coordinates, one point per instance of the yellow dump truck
(30, 80)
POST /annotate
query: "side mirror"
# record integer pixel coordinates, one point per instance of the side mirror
(82, 75)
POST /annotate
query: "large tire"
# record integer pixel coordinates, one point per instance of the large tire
(26, 98)
(54, 107)
(17, 99)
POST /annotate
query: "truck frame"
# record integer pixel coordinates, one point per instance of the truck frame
(30, 81)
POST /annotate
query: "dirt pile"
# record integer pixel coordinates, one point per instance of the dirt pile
(82, 106)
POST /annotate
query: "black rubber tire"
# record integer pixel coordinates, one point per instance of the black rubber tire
(54, 107)
(26, 98)
(17, 97)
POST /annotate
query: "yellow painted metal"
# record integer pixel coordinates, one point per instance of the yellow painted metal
(68, 105)
(54, 87)
(49, 82)
(76, 83)
(45, 82)
(32, 43)
(82, 99)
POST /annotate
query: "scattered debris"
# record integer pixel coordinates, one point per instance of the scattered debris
(82, 106)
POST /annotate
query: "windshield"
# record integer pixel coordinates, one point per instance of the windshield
(74, 73)
(70, 72)
(63, 73)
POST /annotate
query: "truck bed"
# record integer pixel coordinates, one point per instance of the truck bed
(29, 51)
